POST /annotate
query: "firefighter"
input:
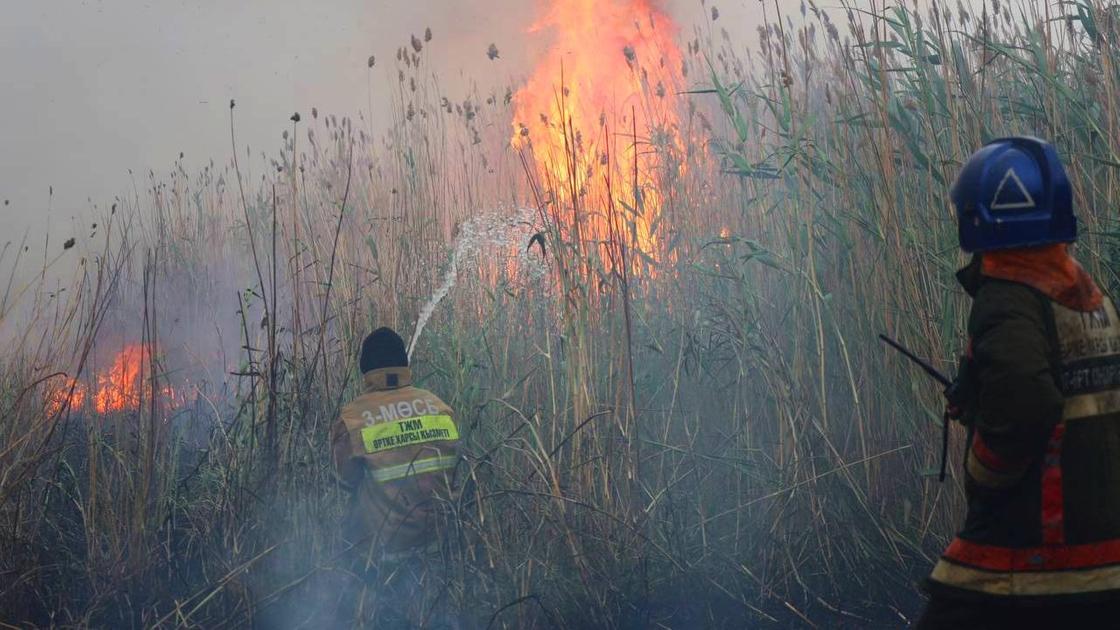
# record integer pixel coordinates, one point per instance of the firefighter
(1040, 546)
(395, 448)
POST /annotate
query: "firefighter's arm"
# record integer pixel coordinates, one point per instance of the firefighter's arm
(349, 467)
(1019, 403)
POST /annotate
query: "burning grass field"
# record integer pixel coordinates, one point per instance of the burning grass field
(660, 342)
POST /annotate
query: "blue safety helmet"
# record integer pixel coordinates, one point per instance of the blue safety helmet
(1014, 192)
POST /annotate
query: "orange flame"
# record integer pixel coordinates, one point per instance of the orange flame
(120, 388)
(610, 74)
(123, 386)
(71, 394)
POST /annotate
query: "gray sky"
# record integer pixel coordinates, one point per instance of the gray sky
(96, 87)
(93, 88)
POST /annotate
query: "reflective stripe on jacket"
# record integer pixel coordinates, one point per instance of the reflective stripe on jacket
(1043, 461)
(397, 446)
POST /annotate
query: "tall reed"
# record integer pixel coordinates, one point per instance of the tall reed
(708, 438)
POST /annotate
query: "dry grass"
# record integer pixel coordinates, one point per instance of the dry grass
(721, 440)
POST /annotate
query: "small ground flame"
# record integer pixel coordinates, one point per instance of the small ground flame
(612, 70)
(122, 386)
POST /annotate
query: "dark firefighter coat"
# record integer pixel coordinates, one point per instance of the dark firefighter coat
(1043, 459)
(396, 446)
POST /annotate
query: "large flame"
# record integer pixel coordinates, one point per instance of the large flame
(609, 76)
(124, 385)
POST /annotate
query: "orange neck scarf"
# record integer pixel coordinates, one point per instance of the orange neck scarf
(1049, 269)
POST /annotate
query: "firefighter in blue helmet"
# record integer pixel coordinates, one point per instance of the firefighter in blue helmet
(1040, 546)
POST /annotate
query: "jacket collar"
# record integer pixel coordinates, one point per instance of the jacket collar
(1049, 269)
(387, 378)
(970, 277)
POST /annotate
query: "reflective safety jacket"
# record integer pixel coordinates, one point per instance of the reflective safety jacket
(1043, 459)
(396, 446)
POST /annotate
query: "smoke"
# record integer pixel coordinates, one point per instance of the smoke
(102, 92)
(105, 92)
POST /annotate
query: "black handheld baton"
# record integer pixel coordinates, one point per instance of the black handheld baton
(929, 369)
(951, 393)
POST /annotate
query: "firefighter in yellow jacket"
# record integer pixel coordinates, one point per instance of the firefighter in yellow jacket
(395, 447)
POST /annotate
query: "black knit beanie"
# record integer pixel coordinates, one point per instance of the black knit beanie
(383, 348)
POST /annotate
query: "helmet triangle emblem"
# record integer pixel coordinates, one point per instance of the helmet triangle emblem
(1014, 197)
